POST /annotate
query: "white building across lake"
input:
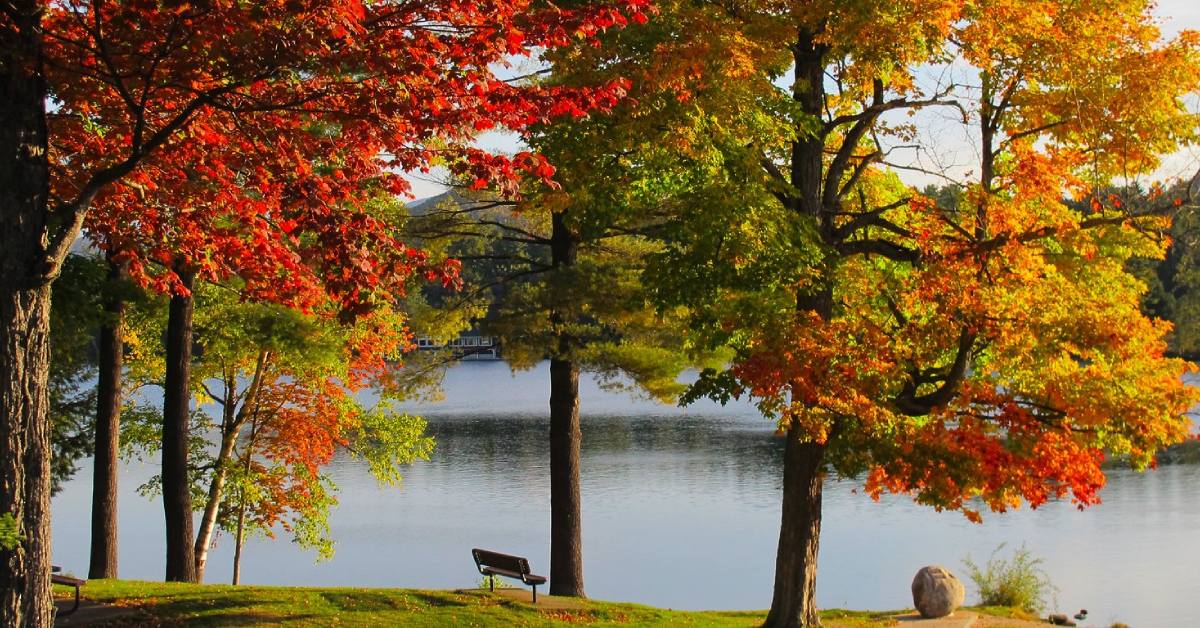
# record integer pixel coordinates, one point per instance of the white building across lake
(467, 346)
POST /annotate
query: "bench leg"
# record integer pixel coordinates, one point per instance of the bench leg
(535, 594)
(492, 584)
(73, 608)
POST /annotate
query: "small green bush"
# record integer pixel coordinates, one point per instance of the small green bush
(9, 539)
(1018, 582)
(499, 584)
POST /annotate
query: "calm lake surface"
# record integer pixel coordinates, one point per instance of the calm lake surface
(681, 510)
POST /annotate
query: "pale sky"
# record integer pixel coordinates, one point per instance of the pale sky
(1179, 15)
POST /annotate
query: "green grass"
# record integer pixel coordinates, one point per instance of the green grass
(167, 604)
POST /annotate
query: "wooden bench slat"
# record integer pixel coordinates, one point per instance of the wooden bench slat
(67, 580)
(496, 571)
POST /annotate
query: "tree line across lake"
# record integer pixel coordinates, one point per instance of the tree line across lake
(710, 186)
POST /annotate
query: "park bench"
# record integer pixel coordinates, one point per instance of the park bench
(58, 578)
(496, 564)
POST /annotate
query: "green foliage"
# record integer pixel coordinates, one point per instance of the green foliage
(387, 442)
(307, 519)
(141, 441)
(280, 387)
(1018, 581)
(494, 582)
(1173, 282)
(595, 310)
(9, 537)
(75, 317)
(231, 334)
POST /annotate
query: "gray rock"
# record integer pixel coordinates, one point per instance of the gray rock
(936, 592)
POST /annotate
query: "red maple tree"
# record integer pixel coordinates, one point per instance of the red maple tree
(147, 93)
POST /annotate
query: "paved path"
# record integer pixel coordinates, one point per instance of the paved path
(958, 619)
(965, 619)
(92, 613)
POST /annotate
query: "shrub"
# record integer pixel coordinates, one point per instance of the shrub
(9, 539)
(484, 581)
(1018, 581)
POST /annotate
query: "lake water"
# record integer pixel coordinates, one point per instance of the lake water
(681, 510)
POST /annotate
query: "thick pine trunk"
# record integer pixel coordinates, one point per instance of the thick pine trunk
(108, 429)
(25, 451)
(25, 598)
(177, 497)
(566, 519)
(794, 604)
(566, 503)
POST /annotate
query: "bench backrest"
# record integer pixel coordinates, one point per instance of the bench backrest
(506, 562)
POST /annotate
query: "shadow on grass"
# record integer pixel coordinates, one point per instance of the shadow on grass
(364, 601)
(437, 601)
(205, 611)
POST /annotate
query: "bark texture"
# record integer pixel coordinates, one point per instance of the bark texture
(108, 429)
(566, 519)
(794, 603)
(566, 503)
(216, 493)
(25, 598)
(177, 497)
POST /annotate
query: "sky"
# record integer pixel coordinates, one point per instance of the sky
(1176, 15)
(1179, 15)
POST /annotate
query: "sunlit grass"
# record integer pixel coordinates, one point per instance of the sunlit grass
(225, 605)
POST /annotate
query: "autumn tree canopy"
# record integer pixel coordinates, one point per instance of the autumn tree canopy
(975, 352)
(145, 93)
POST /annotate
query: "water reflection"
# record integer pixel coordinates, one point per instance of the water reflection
(681, 509)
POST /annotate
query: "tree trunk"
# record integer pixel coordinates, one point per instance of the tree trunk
(177, 496)
(233, 419)
(239, 541)
(208, 521)
(795, 601)
(566, 529)
(25, 454)
(108, 429)
(240, 536)
(25, 598)
(566, 519)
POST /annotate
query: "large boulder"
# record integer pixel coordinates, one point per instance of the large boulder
(936, 592)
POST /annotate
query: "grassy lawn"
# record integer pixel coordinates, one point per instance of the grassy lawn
(223, 605)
